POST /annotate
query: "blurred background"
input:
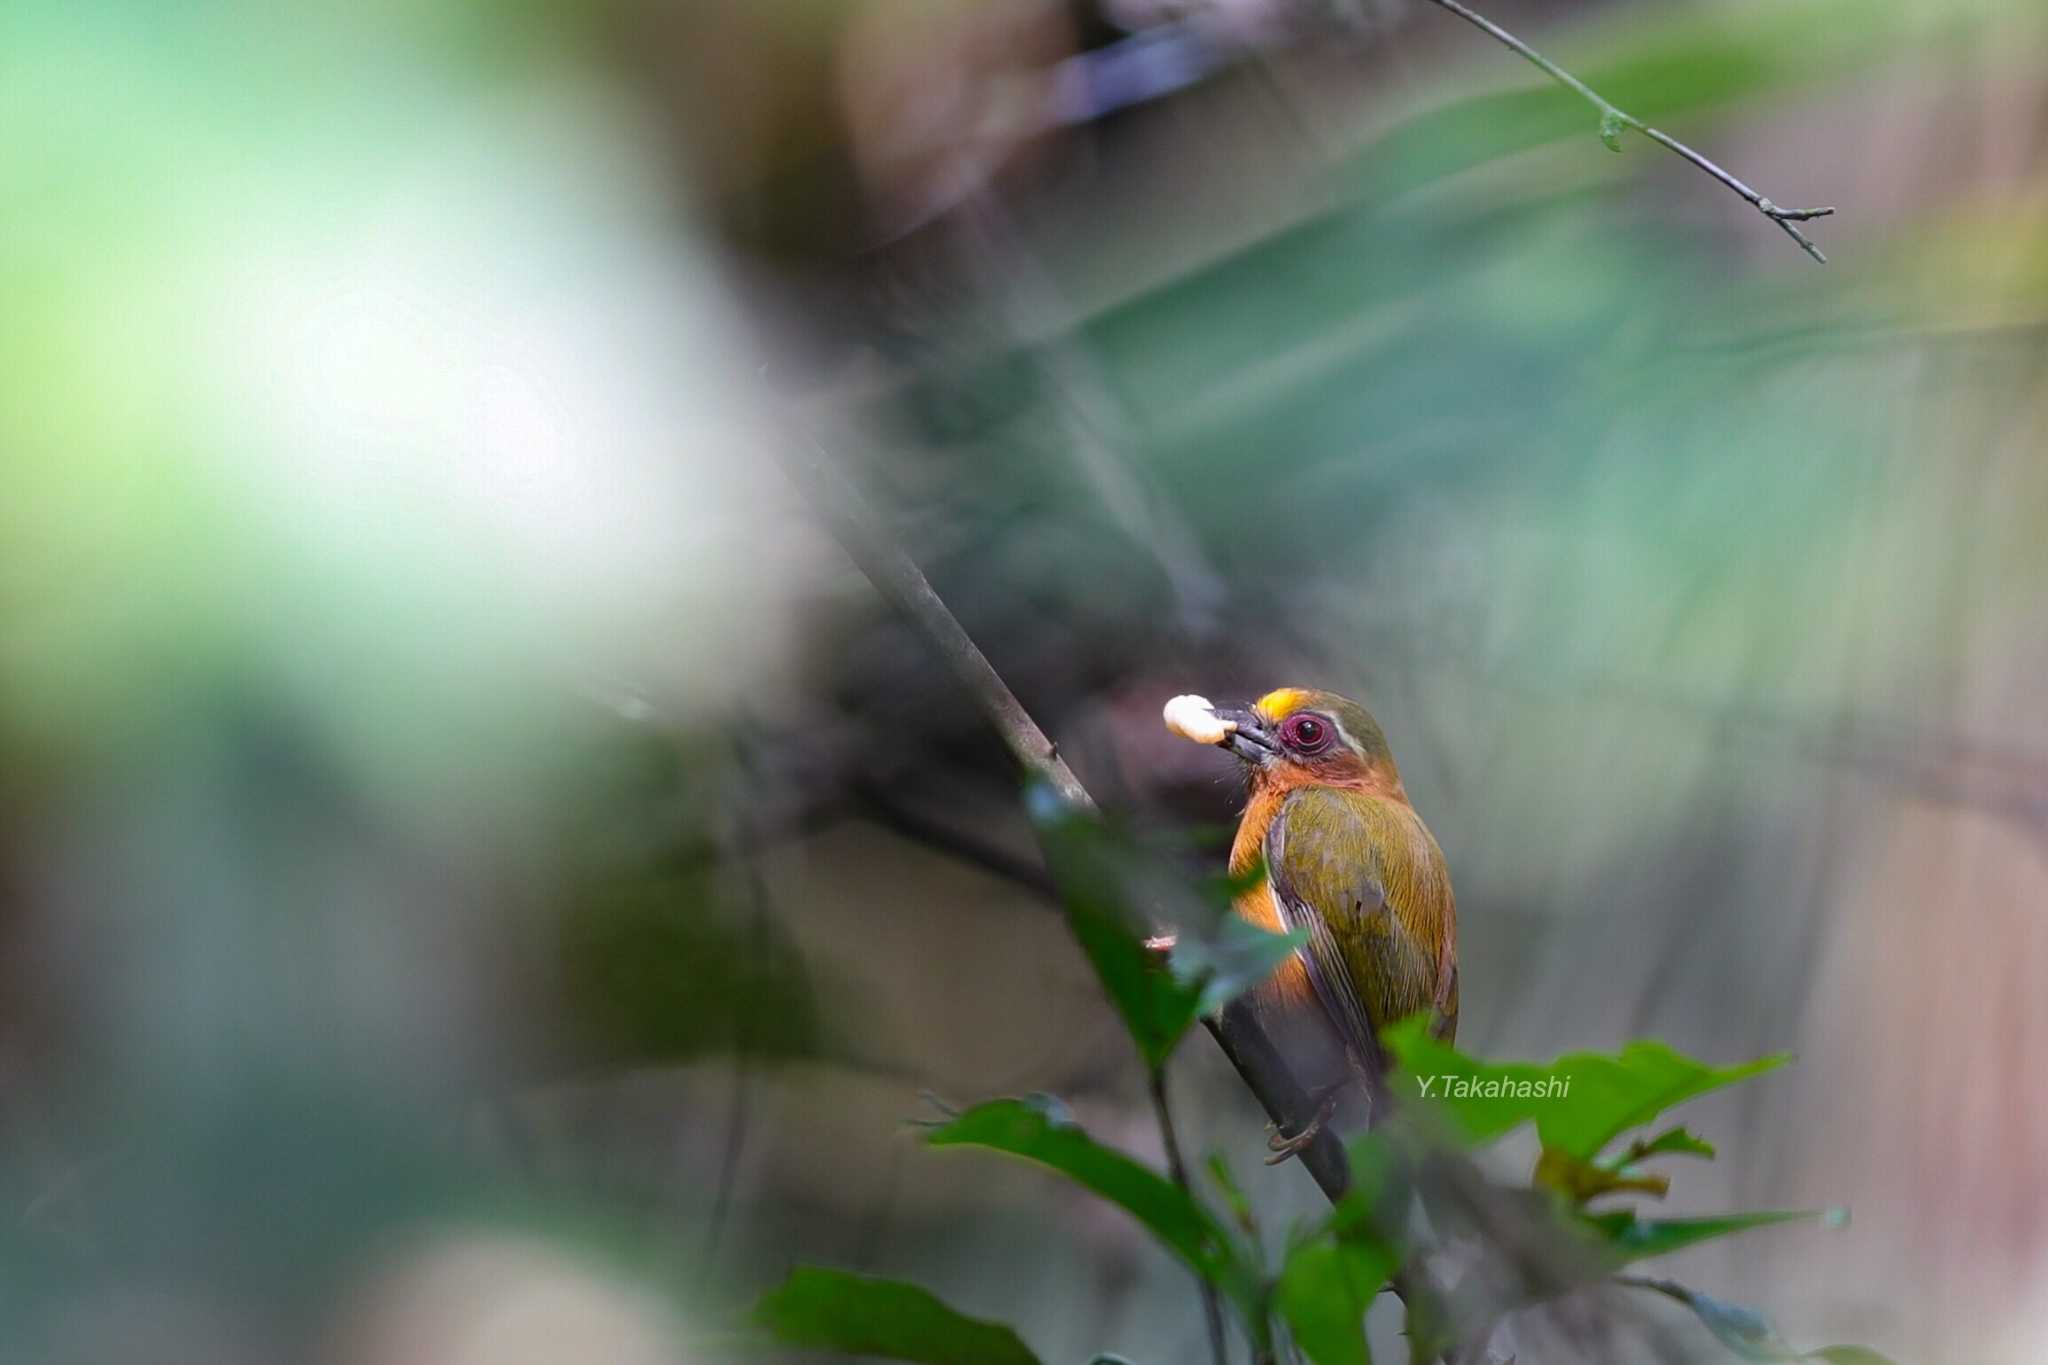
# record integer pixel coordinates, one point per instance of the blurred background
(483, 877)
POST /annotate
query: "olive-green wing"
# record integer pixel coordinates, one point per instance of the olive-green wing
(1346, 867)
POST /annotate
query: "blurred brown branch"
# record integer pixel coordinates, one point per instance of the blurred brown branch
(1614, 120)
(896, 576)
(1177, 1167)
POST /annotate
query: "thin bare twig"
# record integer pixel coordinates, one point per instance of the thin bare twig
(1614, 120)
(1177, 1167)
(745, 849)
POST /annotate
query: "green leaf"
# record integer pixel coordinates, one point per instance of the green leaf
(1105, 881)
(1679, 1141)
(1039, 1130)
(1234, 1198)
(1748, 1332)
(834, 1310)
(1633, 1239)
(1580, 1181)
(1324, 1293)
(1579, 1102)
(1093, 875)
(1373, 1207)
(1232, 958)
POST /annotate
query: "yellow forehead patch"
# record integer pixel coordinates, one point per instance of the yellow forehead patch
(1282, 702)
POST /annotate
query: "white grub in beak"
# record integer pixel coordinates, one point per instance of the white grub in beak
(1194, 718)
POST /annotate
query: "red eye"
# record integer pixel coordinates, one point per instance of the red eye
(1307, 734)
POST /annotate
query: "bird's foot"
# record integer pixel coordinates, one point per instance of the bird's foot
(1282, 1146)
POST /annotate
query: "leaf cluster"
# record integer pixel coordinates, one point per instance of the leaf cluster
(1313, 1301)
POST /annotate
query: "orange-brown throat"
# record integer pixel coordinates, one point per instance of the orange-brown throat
(1350, 773)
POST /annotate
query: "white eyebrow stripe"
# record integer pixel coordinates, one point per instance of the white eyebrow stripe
(1342, 733)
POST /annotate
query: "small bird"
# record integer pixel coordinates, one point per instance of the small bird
(1347, 859)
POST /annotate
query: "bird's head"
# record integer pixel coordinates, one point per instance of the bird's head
(1299, 737)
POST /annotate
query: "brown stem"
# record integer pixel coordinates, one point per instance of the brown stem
(1177, 1167)
(897, 577)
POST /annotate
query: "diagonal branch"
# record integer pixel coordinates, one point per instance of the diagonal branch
(1615, 120)
(896, 576)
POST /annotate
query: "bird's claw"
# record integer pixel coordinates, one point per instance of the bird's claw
(1283, 1146)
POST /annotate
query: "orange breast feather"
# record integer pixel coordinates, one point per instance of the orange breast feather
(1289, 986)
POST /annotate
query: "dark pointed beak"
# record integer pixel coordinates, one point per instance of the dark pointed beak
(1251, 741)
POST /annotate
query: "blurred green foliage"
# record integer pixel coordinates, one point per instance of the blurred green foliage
(1106, 880)
(293, 722)
(1325, 1291)
(655, 972)
(1750, 1334)
(1040, 1130)
(862, 1315)
(1334, 1270)
(1607, 1095)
